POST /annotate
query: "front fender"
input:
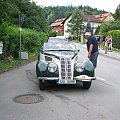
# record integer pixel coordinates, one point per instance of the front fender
(41, 68)
(88, 69)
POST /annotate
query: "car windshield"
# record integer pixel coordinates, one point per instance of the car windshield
(59, 46)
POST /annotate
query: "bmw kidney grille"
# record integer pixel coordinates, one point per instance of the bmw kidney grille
(66, 68)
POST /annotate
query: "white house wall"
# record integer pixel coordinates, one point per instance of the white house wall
(93, 24)
(66, 27)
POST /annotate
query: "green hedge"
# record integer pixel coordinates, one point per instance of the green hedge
(115, 37)
(31, 40)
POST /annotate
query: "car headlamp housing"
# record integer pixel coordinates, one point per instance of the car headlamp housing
(52, 67)
(88, 65)
(79, 67)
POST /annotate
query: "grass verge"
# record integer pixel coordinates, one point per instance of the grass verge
(6, 65)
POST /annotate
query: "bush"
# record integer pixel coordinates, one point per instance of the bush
(115, 37)
(31, 40)
(52, 34)
(108, 26)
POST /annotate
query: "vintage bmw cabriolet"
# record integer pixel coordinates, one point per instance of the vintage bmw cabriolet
(59, 62)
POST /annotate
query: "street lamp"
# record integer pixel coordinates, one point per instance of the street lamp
(21, 20)
(20, 29)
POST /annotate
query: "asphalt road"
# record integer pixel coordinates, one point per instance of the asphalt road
(65, 102)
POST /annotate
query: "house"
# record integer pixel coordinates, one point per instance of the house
(95, 22)
(61, 25)
(57, 26)
(105, 17)
(65, 24)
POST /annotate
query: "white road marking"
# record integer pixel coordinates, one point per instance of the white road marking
(106, 82)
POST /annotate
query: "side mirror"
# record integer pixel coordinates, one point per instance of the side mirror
(77, 51)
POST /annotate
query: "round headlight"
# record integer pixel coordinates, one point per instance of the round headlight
(88, 65)
(52, 67)
(79, 67)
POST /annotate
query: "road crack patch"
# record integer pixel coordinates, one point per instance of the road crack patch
(31, 76)
(68, 99)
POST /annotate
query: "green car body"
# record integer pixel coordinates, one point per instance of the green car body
(59, 62)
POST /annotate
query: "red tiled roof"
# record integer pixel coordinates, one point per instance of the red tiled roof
(87, 17)
(91, 18)
(58, 22)
(103, 16)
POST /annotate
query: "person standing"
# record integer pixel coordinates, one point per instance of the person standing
(106, 45)
(92, 47)
(103, 37)
(98, 40)
(110, 43)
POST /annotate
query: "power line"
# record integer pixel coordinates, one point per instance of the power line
(71, 2)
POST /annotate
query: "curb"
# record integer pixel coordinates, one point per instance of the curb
(109, 56)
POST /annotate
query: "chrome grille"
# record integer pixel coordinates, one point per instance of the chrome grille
(66, 69)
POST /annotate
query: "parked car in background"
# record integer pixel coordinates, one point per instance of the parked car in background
(59, 62)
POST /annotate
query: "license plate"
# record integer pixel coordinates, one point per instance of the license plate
(66, 82)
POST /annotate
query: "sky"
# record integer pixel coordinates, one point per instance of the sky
(107, 5)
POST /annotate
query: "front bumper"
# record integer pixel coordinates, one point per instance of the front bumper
(78, 78)
(84, 78)
(48, 78)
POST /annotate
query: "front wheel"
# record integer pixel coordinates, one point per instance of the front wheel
(41, 84)
(87, 85)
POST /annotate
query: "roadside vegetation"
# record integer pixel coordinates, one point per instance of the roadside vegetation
(116, 38)
(32, 40)
(34, 31)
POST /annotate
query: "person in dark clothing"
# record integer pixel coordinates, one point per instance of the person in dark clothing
(92, 47)
(98, 41)
(103, 38)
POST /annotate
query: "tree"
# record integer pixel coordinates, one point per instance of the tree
(75, 25)
(50, 18)
(88, 27)
(8, 11)
(117, 13)
(97, 30)
(63, 11)
(110, 25)
(34, 15)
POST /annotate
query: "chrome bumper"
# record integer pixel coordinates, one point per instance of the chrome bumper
(48, 78)
(84, 78)
(79, 78)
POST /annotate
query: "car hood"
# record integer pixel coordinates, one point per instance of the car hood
(61, 54)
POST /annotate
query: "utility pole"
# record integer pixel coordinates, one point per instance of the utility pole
(21, 20)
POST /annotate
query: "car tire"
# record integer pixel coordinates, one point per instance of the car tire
(41, 84)
(87, 85)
